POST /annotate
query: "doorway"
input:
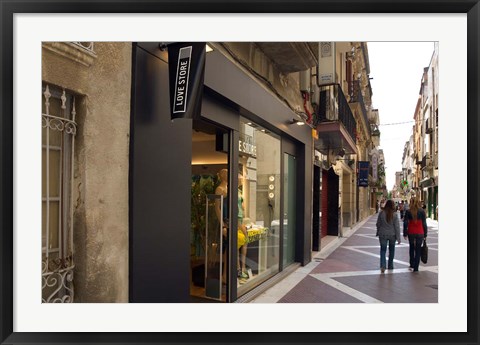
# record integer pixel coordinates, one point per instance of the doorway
(333, 209)
(316, 238)
(209, 211)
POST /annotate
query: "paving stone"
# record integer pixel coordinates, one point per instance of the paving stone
(351, 274)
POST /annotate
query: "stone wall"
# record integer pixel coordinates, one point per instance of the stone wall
(102, 83)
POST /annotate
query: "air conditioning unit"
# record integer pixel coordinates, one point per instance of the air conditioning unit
(331, 104)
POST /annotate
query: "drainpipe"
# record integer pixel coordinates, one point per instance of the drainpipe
(306, 89)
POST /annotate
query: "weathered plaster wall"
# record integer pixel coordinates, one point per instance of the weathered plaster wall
(284, 86)
(101, 167)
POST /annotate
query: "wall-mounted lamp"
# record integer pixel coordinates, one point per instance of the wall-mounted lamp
(164, 46)
(297, 122)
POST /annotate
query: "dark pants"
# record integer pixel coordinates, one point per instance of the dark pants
(384, 242)
(415, 241)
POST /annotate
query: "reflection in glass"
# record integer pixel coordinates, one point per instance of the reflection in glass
(289, 209)
(209, 213)
(258, 206)
(213, 247)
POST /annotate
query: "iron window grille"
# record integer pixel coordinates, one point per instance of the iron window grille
(58, 139)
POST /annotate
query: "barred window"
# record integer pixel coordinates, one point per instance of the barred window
(58, 134)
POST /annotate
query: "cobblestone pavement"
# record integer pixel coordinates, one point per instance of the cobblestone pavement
(348, 271)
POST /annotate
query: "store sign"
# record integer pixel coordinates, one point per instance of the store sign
(247, 148)
(186, 66)
(363, 174)
(326, 63)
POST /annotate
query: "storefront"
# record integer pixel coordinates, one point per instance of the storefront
(218, 205)
(430, 195)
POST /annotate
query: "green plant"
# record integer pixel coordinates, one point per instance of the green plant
(201, 187)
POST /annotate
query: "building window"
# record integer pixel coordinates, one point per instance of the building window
(58, 134)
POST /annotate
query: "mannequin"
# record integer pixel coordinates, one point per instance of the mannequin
(242, 235)
(222, 190)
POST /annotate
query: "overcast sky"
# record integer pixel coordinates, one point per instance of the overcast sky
(396, 69)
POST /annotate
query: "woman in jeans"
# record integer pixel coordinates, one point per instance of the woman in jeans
(415, 227)
(388, 231)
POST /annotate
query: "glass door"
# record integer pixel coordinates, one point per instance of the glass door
(209, 212)
(289, 208)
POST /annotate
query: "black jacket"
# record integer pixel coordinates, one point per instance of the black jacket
(420, 216)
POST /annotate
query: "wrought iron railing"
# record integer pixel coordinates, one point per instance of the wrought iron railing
(58, 138)
(357, 97)
(333, 106)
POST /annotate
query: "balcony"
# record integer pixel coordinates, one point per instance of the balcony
(357, 101)
(291, 56)
(335, 123)
(426, 162)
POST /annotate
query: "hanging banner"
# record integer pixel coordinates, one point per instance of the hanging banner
(186, 66)
(363, 174)
(374, 167)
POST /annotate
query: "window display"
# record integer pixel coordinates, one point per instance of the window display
(258, 205)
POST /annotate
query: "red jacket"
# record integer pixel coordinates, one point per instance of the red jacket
(415, 227)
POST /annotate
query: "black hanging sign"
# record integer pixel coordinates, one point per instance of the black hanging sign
(363, 168)
(186, 66)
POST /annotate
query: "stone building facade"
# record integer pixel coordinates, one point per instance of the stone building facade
(89, 249)
(422, 164)
(98, 78)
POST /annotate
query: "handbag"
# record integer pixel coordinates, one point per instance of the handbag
(424, 254)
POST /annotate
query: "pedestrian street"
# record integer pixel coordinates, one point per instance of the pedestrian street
(348, 271)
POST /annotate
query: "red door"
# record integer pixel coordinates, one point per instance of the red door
(324, 208)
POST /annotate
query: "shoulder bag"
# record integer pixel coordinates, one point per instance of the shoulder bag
(424, 254)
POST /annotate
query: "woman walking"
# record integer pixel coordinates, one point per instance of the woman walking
(415, 227)
(388, 231)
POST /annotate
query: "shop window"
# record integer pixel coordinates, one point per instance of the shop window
(258, 206)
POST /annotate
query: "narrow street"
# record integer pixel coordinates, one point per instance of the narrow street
(347, 271)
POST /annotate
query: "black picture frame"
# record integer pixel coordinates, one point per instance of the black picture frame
(10, 7)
